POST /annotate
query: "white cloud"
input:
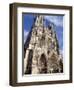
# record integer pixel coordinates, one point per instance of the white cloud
(61, 51)
(25, 35)
(55, 19)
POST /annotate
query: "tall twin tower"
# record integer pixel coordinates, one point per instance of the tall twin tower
(42, 50)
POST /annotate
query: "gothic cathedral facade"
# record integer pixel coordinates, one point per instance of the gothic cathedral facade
(42, 52)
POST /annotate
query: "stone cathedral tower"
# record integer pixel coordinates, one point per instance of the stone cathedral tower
(42, 52)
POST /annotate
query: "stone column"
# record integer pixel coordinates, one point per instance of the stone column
(26, 60)
(35, 63)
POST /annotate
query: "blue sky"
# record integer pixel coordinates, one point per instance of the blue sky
(28, 20)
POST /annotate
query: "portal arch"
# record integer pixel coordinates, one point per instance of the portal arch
(42, 64)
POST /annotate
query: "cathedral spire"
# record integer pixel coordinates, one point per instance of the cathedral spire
(39, 20)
